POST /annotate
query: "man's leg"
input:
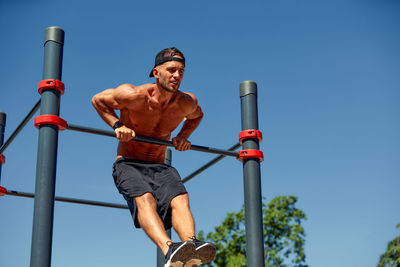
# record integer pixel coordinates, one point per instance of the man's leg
(177, 254)
(151, 222)
(183, 223)
(182, 219)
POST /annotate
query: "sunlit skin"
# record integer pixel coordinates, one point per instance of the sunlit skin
(154, 110)
(170, 76)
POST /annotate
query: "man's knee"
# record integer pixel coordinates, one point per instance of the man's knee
(180, 202)
(145, 200)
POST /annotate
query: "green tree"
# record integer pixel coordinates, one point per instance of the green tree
(391, 258)
(283, 236)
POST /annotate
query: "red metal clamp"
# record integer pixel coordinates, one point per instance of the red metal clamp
(247, 134)
(2, 159)
(50, 119)
(3, 191)
(51, 84)
(250, 154)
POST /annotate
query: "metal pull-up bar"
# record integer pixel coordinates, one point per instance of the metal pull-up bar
(151, 140)
(70, 200)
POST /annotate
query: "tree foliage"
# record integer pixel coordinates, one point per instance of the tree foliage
(391, 258)
(283, 236)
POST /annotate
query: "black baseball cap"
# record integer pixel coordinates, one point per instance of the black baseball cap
(165, 55)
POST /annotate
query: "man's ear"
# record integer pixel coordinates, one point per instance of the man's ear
(155, 73)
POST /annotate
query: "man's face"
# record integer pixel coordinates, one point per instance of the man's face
(170, 74)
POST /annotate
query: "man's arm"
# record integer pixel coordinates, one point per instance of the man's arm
(114, 99)
(189, 125)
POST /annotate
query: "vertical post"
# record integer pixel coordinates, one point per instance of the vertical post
(2, 128)
(47, 153)
(252, 178)
(160, 255)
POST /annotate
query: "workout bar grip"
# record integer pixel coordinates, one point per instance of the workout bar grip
(151, 140)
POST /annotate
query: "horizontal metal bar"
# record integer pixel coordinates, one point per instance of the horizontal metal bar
(151, 140)
(70, 200)
(85, 129)
(209, 164)
(20, 126)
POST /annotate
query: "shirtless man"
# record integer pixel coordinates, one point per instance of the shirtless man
(156, 197)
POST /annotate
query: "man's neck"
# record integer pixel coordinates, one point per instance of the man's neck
(162, 95)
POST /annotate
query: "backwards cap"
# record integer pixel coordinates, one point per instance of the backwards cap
(165, 55)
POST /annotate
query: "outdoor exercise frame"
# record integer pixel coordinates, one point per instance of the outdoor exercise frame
(49, 124)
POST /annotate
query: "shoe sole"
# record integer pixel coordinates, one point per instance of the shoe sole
(206, 253)
(182, 254)
(203, 254)
(192, 263)
(176, 264)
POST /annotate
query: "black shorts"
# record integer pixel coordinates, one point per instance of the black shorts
(134, 178)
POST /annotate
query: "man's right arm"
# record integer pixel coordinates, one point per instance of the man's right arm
(109, 100)
(105, 104)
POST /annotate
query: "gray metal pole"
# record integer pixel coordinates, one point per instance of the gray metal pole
(252, 178)
(47, 153)
(3, 118)
(20, 127)
(160, 255)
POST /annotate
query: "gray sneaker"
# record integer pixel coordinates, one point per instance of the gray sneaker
(205, 251)
(179, 253)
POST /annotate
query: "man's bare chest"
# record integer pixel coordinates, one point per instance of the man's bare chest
(153, 121)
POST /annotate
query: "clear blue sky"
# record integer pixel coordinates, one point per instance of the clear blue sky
(328, 78)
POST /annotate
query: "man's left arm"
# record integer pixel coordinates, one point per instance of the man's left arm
(190, 124)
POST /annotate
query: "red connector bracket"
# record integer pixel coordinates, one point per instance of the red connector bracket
(247, 134)
(51, 84)
(50, 119)
(2, 159)
(3, 191)
(250, 154)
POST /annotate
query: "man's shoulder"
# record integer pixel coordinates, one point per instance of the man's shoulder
(137, 88)
(129, 92)
(187, 101)
(188, 98)
(131, 89)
